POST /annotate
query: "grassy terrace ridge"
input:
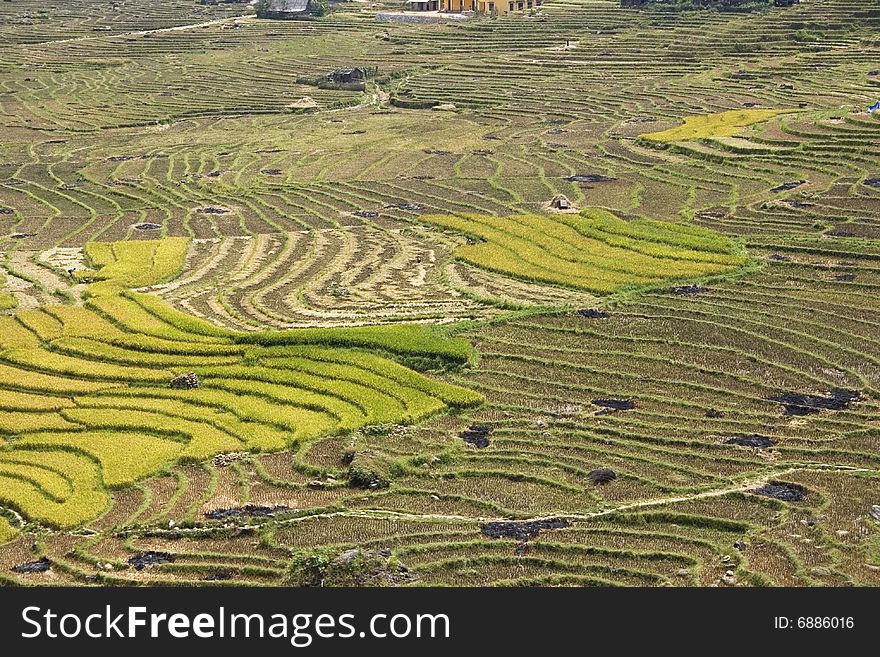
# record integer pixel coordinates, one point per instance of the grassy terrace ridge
(88, 408)
(593, 251)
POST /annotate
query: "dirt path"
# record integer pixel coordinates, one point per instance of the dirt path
(177, 28)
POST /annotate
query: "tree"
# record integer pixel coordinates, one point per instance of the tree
(319, 7)
(262, 8)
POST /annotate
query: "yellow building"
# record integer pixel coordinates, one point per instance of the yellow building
(489, 6)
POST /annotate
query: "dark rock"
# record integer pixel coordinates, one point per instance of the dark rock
(212, 210)
(740, 545)
(784, 187)
(845, 278)
(872, 182)
(589, 178)
(684, 290)
(753, 440)
(246, 511)
(431, 151)
(775, 257)
(714, 413)
(522, 530)
(366, 214)
(875, 512)
(271, 172)
(592, 313)
(120, 158)
(41, 565)
(796, 403)
(615, 404)
(840, 232)
(7, 211)
(147, 226)
(482, 152)
(187, 381)
(477, 435)
(213, 174)
(780, 490)
(601, 475)
(144, 559)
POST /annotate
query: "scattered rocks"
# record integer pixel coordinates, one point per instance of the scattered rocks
(592, 313)
(151, 558)
(246, 511)
(409, 207)
(477, 435)
(365, 214)
(685, 290)
(804, 404)
(522, 530)
(589, 178)
(212, 210)
(601, 476)
(615, 404)
(224, 460)
(713, 413)
(776, 257)
(482, 152)
(120, 158)
(780, 490)
(754, 440)
(845, 278)
(712, 213)
(784, 187)
(872, 182)
(187, 381)
(434, 151)
(41, 565)
(147, 226)
(218, 577)
(357, 567)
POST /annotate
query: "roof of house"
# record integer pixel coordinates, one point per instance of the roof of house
(289, 6)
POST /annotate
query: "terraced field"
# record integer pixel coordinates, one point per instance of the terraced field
(398, 343)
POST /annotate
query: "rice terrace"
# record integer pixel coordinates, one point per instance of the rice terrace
(547, 293)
